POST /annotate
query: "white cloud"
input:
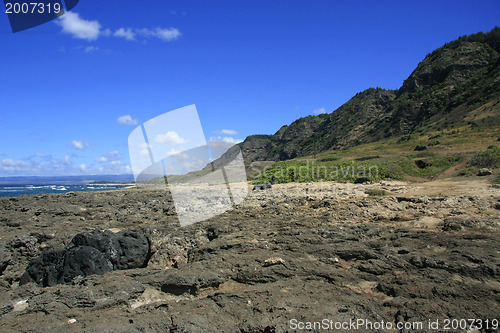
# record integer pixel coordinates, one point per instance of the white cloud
(170, 137)
(112, 157)
(226, 132)
(145, 148)
(165, 34)
(91, 49)
(224, 139)
(101, 159)
(172, 151)
(126, 120)
(80, 28)
(78, 144)
(11, 166)
(10, 162)
(41, 164)
(319, 111)
(72, 24)
(128, 33)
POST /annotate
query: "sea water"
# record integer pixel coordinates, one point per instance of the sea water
(16, 189)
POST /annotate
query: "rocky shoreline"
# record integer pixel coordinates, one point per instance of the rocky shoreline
(287, 256)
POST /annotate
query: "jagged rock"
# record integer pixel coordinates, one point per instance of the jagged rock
(25, 245)
(262, 186)
(274, 261)
(375, 267)
(421, 164)
(95, 252)
(361, 180)
(83, 261)
(124, 249)
(465, 221)
(5, 258)
(426, 262)
(484, 172)
(45, 270)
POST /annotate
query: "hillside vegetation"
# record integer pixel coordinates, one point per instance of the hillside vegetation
(445, 112)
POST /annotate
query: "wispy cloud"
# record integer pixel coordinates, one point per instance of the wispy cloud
(165, 34)
(126, 120)
(91, 49)
(224, 139)
(128, 33)
(226, 132)
(78, 144)
(42, 164)
(101, 159)
(170, 137)
(112, 157)
(9, 165)
(91, 30)
(320, 111)
(72, 24)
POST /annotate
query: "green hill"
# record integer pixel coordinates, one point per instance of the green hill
(450, 104)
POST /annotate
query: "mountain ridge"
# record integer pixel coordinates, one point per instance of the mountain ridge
(446, 89)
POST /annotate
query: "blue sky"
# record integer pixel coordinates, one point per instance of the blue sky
(73, 89)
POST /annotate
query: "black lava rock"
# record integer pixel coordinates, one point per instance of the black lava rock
(83, 261)
(45, 270)
(95, 252)
(125, 250)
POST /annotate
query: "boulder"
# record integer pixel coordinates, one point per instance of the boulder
(484, 172)
(95, 252)
(124, 249)
(361, 180)
(420, 148)
(83, 261)
(45, 270)
(262, 186)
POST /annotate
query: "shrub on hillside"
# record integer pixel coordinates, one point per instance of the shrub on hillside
(490, 158)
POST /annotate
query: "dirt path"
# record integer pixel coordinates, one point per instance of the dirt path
(453, 169)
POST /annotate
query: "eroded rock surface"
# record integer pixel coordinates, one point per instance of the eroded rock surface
(290, 252)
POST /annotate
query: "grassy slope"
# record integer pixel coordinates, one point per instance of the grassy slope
(450, 104)
(448, 154)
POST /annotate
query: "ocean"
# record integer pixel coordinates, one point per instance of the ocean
(15, 186)
(15, 190)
